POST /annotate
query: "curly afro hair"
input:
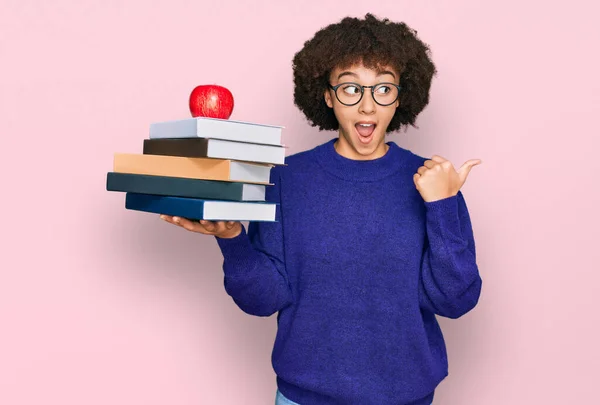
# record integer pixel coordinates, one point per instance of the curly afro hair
(374, 43)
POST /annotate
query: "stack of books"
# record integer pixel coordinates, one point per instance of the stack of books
(201, 168)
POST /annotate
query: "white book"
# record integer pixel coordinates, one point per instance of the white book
(231, 130)
(242, 172)
(238, 211)
(253, 192)
(219, 148)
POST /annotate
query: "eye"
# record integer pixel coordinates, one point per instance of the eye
(383, 89)
(351, 89)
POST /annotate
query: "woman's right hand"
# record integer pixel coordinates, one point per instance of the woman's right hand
(220, 229)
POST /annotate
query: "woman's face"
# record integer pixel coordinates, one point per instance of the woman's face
(363, 125)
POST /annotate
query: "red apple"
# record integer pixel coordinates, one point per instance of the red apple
(211, 100)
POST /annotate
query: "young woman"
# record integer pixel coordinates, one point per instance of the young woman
(371, 241)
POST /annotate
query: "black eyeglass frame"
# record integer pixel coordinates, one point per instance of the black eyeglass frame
(362, 92)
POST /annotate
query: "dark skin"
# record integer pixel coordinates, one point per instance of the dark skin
(220, 229)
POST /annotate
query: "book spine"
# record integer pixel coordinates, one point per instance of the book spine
(174, 186)
(188, 208)
(185, 147)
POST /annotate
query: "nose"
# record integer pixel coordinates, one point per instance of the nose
(367, 105)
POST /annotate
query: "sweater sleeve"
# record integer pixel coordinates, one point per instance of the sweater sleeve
(254, 263)
(450, 284)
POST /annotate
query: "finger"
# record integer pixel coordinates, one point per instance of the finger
(467, 166)
(438, 158)
(168, 218)
(422, 170)
(198, 226)
(446, 165)
(430, 163)
(416, 177)
(471, 163)
(222, 226)
(184, 223)
(209, 226)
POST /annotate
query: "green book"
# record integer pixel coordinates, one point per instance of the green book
(184, 187)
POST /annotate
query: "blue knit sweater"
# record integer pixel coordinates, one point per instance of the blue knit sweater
(357, 267)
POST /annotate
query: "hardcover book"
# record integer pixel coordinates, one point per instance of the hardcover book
(215, 148)
(195, 168)
(196, 209)
(182, 187)
(204, 127)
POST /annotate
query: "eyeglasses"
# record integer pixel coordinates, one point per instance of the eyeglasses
(350, 94)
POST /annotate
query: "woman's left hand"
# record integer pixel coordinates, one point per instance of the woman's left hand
(437, 178)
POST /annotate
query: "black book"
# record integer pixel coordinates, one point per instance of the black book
(215, 148)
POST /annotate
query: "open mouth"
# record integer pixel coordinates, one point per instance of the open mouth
(365, 131)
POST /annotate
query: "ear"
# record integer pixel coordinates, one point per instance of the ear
(327, 96)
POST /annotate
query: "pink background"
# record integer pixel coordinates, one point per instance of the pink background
(99, 305)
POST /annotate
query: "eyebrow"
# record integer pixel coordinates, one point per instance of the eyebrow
(381, 73)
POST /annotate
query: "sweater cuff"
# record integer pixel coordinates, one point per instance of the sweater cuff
(445, 213)
(237, 252)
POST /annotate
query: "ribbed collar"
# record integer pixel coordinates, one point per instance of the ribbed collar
(360, 170)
